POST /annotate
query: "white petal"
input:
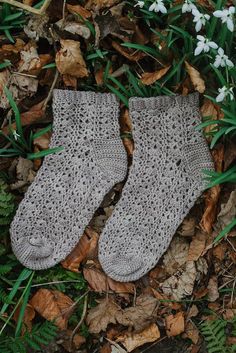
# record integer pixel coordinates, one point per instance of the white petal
(195, 12)
(232, 9)
(221, 51)
(152, 7)
(207, 17)
(206, 48)
(229, 63)
(220, 97)
(198, 26)
(185, 8)
(230, 24)
(200, 38)
(217, 62)
(198, 50)
(212, 45)
(218, 13)
(162, 8)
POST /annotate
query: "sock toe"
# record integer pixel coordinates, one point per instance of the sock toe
(122, 268)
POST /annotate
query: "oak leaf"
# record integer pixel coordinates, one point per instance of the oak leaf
(53, 305)
(69, 59)
(197, 246)
(176, 255)
(148, 78)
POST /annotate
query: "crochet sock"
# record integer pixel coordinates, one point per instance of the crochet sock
(165, 180)
(71, 184)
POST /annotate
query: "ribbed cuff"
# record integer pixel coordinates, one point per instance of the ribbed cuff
(152, 103)
(60, 96)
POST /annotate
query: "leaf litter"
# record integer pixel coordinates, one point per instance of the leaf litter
(126, 315)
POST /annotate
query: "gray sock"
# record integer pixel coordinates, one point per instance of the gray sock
(165, 180)
(71, 184)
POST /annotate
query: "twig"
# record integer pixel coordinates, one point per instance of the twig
(28, 8)
(50, 91)
(80, 322)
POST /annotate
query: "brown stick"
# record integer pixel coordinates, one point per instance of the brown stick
(28, 8)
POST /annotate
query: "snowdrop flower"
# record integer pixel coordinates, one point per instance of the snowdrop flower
(15, 135)
(200, 19)
(188, 6)
(158, 6)
(140, 4)
(224, 92)
(204, 45)
(222, 60)
(226, 16)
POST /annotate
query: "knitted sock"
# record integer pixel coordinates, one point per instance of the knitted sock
(165, 180)
(71, 184)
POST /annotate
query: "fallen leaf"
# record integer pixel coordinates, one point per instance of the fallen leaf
(182, 283)
(86, 246)
(148, 78)
(42, 142)
(24, 173)
(133, 340)
(187, 228)
(219, 251)
(100, 282)
(213, 293)
(174, 324)
(208, 109)
(78, 340)
(107, 311)
(193, 311)
(176, 255)
(74, 28)
(192, 332)
(69, 59)
(99, 317)
(29, 315)
(227, 212)
(79, 10)
(100, 4)
(37, 27)
(130, 55)
(197, 246)
(53, 305)
(195, 77)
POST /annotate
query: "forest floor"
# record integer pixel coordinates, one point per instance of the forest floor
(187, 302)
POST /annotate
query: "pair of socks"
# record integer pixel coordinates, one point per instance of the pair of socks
(164, 181)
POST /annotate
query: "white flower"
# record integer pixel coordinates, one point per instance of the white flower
(200, 19)
(188, 6)
(224, 92)
(204, 45)
(222, 60)
(226, 16)
(158, 6)
(140, 4)
(15, 134)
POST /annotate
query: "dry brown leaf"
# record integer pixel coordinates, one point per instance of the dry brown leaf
(227, 212)
(197, 246)
(174, 324)
(138, 317)
(99, 282)
(187, 228)
(78, 340)
(25, 174)
(182, 283)
(192, 332)
(69, 59)
(219, 251)
(29, 315)
(86, 246)
(213, 293)
(211, 199)
(42, 142)
(79, 10)
(70, 81)
(208, 109)
(102, 315)
(74, 28)
(148, 78)
(100, 4)
(132, 56)
(193, 311)
(133, 340)
(53, 305)
(195, 77)
(176, 255)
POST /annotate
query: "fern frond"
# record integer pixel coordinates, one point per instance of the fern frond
(7, 207)
(40, 334)
(4, 269)
(215, 336)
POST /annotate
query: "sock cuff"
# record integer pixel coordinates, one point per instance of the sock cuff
(139, 104)
(61, 96)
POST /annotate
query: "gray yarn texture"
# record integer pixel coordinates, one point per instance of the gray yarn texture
(71, 184)
(164, 182)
